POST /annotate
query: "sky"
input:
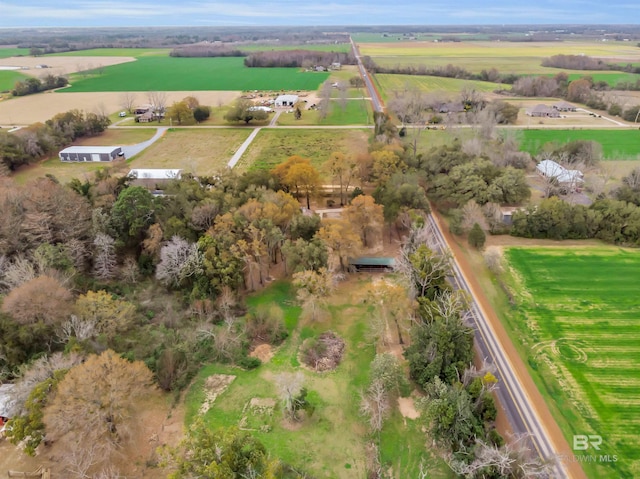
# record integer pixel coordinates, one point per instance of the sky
(69, 13)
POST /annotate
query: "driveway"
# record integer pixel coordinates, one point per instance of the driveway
(132, 150)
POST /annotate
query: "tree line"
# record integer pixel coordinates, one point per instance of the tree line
(28, 145)
(585, 62)
(35, 85)
(297, 59)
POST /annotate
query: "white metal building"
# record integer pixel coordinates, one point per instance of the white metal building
(284, 101)
(91, 153)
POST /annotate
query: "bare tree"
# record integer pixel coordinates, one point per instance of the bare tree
(471, 214)
(158, 102)
(179, 260)
(325, 100)
(344, 94)
(128, 101)
(314, 289)
(104, 264)
(289, 387)
(375, 406)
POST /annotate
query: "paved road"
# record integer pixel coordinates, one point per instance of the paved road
(375, 100)
(522, 417)
(131, 150)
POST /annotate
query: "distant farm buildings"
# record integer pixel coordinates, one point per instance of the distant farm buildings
(91, 153)
(153, 178)
(284, 101)
(542, 111)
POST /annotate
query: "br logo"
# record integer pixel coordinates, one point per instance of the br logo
(582, 442)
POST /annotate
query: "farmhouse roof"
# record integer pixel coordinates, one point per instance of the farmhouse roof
(91, 149)
(5, 402)
(373, 261)
(541, 109)
(563, 105)
(287, 99)
(551, 169)
(155, 173)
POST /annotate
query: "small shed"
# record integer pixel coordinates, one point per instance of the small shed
(284, 101)
(91, 153)
(371, 264)
(153, 178)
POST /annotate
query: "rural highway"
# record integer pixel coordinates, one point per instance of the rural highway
(373, 93)
(522, 417)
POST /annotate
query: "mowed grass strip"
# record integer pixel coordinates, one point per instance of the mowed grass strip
(584, 317)
(388, 83)
(197, 74)
(616, 144)
(197, 151)
(8, 79)
(273, 146)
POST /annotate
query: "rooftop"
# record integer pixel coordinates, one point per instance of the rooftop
(90, 149)
(155, 173)
(373, 261)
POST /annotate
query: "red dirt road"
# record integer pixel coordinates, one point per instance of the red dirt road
(551, 427)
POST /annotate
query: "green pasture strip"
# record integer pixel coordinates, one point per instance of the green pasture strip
(203, 151)
(273, 146)
(8, 79)
(195, 74)
(321, 47)
(390, 83)
(13, 52)
(352, 112)
(616, 144)
(577, 318)
(115, 52)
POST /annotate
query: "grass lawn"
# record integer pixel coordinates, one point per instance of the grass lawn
(387, 84)
(273, 146)
(8, 79)
(115, 52)
(13, 52)
(331, 442)
(158, 73)
(354, 112)
(616, 144)
(577, 319)
(198, 151)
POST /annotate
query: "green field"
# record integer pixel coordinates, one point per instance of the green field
(506, 57)
(8, 79)
(577, 317)
(353, 112)
(12, 52)
(273, 146)
(156, 73)
(387, 84)
(616, 144)
(116, 52)
(331, 442)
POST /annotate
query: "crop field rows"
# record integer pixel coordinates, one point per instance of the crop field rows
(616, 144)
(391, 83)
(583, 324)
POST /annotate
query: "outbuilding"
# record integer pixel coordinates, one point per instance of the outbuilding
(543, 111)
(153, 178)
(91, 153)
(371, 264)
(284, 101)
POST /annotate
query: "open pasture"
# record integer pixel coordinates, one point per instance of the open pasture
(329, 442)
(578, 317)
(506, 57)
(170, 74)
(354, 111)
(8, 79)
(62, 65)
(197, 151)
(13, 52)
(428, 84)
(114, 52)
(616, 144)
(273, 146)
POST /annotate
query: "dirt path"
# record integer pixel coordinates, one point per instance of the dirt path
(550, 425)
